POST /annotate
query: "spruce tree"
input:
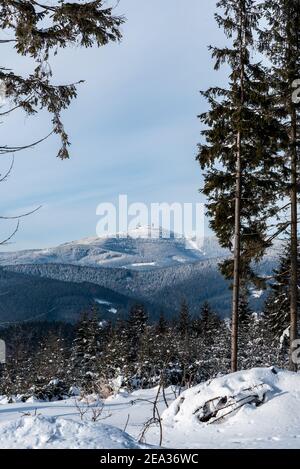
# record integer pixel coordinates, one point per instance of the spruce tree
(213, 344)
(115, 358)
(209, 320)
(280, 41)
(162, 324)
(246, 327)
(86, 351)
(245, 312)
(184, 320)
(277, 306)
(146, 371)
(239, 154)
(49, 380)
(137, 322)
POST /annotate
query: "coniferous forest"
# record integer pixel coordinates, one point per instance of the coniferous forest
(51, 360)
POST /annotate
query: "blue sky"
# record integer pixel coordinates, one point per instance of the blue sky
(133, 128)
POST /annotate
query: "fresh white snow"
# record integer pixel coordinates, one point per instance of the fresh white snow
(38, 431)
(143, 264)
(106, 303)
(275, 423)
(140, 247)
(257, 293)
(102, 302)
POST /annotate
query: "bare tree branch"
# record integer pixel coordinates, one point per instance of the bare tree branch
(5, 150)
(5, 241)
(6, 175)
(5, 41)
(17, 217)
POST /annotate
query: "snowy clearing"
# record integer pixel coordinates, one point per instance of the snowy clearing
(102, 302)
(143, 264)
(270, 417)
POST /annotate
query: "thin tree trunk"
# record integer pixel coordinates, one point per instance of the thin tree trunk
(294, 242)
(237, 227)
(237, 255)
(293, 45)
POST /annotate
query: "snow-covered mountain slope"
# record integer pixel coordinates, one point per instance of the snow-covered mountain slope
(139, 250)
(159, 270)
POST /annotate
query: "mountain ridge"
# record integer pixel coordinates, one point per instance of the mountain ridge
(134, 251)
(159, 272)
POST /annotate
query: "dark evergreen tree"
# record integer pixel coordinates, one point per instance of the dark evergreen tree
(162, 324)
(48, 369)
(277, 307)
(247, 324)
(115, 356)
(137, 322)
(146, 370)
(245, 312)
(184, 320)
(281, 42)
(240, 150)
(196, 326)
(209, 322)
(87, 351)
(213, 344)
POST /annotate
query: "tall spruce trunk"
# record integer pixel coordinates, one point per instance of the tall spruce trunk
(237, 256)
(294, 240)
(238, 201)
(292, 43)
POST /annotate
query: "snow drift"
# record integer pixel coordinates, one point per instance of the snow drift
(216, 399)
(37, 432)
(254, 408)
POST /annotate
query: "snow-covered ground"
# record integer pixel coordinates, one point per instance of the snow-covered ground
(40, 432)
(270, 417)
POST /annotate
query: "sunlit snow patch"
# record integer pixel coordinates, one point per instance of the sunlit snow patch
(102, 302)
(219, 399)
(143, 264)
(257, 293)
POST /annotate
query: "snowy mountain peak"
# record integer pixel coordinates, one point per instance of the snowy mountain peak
(143, 247)
(143, 232)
